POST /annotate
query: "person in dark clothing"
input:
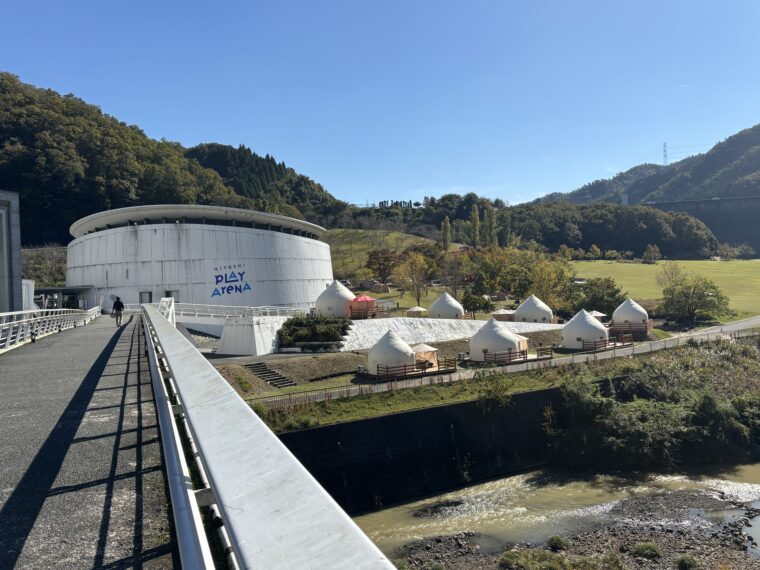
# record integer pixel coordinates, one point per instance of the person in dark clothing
(118, 310)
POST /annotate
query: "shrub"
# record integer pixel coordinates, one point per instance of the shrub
(648, 550)
(557, 543)
(687, 562)
(533, 560)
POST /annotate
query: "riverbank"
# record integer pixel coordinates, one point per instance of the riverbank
(706, 525)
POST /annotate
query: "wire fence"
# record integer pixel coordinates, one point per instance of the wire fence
(309, 397)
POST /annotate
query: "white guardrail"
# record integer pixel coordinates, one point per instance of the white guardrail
(21, 327)
(223, 311)
(274, 513)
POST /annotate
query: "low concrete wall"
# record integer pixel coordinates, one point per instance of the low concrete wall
(373, 463)
(364, 334)
(250, 335)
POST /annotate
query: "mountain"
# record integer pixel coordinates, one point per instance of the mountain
(67, 159)
(730, 169)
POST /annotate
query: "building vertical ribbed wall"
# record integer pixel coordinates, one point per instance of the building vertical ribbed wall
(203, 263)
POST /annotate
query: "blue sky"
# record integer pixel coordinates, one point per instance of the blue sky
(402, 99)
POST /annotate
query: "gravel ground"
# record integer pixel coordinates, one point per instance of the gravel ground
(679, 523)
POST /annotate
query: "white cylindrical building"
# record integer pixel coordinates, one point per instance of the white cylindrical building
(630, 312)
(583, 328)
(390, 350)
(198, 254)
(446, 307)
(495, 337)
(335, 300)
(533, 310)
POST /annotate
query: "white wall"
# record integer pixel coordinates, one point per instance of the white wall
(365, 333)
(280, 269)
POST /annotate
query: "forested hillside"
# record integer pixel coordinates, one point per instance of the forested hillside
(271, 185)
(68, 159)
(730, 169)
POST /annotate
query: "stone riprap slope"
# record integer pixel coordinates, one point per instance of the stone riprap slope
(364, 334)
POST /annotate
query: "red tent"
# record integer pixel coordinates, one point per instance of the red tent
(363, 299)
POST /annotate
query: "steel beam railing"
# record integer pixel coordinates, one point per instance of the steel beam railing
(224, 311)
(274, 514)
(21, 327)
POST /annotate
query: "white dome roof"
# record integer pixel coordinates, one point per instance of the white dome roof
(534, 310)
(582, 327)
(494, 337)
(390, 350)
(334, 300)
(630, 311)
(446, 307)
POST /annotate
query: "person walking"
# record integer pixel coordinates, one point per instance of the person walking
(118, 310)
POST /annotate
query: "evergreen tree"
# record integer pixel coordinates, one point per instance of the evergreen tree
(489, 225)
(446, 233)
(475, 226)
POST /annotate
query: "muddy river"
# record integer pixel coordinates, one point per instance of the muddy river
(531, 507)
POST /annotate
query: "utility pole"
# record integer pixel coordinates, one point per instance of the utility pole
(664, 154)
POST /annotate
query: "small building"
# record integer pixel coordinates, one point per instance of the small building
(583, 328)
(446, 307)
(425, 356)
(630, 317)
(335, 301)
(533, 310)
(390, 356)
(494, 337)
(598, 315)
(416, 312)
(503, 315)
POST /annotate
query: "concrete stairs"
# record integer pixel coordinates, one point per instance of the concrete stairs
(269, 376)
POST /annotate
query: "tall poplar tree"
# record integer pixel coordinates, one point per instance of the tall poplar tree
(446, 233)
(475, 226)
(489, 226)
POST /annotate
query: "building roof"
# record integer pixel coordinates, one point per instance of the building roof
(364, 299)
(532, 307)
(446, 306)
(424, 348)
(416, 309)
(596, 313)
(630, 311)
(192, 213)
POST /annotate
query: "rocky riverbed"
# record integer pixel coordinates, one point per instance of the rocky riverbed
(706, 525)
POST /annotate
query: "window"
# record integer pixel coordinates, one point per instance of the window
(146, 297)
(173, 294)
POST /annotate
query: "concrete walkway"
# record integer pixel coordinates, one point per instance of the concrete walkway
(81, 477)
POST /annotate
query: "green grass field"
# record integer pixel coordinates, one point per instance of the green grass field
(740, 280)
(349, 248)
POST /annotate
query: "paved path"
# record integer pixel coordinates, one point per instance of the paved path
(81, 479)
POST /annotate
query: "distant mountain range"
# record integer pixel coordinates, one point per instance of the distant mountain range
(730, 169)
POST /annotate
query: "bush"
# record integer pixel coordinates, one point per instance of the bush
(533, 560)
(648, 550)
(687, 562)
(303, 328)
(557, 543)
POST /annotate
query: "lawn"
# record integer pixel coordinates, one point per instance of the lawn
(740, 280)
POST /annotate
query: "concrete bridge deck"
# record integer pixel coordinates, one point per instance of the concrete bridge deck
(81, 470)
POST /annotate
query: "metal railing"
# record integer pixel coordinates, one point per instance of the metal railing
(274, 514)
(21, 327)
(224, 311)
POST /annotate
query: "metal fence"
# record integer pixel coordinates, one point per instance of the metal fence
(274, 514)
(224, 311)
(20, 327)
(308, 397)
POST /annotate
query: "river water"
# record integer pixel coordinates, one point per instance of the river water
(531, 507)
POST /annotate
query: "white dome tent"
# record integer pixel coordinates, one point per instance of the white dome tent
(583, 328)
(446, 307)
(631, 312)
(503, 315)
(335, 300)
(390, 350)
(533, 310)
(416, 312)
(495, 337)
